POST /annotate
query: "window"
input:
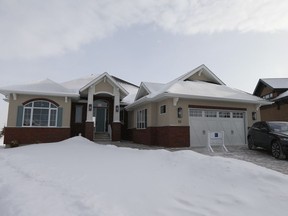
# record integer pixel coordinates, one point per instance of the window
(224, 114)
(40, 114)
(268, 96)
(122, 114)
(141, 119)
(163, 109)
(211, 114)
(195, 113)
(78, 113)
(238, 115)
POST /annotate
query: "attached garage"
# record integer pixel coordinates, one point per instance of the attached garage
(203, 121)
(182, 112)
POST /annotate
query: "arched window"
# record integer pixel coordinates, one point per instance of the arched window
(40, 113)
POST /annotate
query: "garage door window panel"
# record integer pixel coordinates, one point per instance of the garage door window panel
(224, 114)
(238, 115)
(210, 114)
(195, 113)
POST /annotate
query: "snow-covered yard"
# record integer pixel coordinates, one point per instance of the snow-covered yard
(78, 177)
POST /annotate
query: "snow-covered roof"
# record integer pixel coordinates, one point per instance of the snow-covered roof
(132, 90)
(281, 96)
(77, 84)
(154, 87)
(199, 83)
(199, 89)
(70, 88)
(277, 83)
(129, 89)
(44, 87)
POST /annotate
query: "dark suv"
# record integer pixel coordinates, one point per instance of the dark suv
(270, 135)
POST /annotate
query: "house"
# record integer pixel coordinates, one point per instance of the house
(176, 114)
(274, 90)
(47, 111)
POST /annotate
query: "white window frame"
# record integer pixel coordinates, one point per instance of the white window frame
(141, 119)
(238, 115)
(31, 107)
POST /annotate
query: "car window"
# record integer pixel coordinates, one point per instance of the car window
(279, 126)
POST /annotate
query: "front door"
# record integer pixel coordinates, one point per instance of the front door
(100, 119)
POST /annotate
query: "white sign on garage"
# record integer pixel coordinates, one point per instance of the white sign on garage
(202, 121)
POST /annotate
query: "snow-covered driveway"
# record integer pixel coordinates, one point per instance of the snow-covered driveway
(78, 177)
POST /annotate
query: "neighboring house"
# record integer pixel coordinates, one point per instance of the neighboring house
(177, 114)
(274, 90)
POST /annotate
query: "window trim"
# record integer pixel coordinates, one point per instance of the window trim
(163, 109)
(141, 119)
(30, 106)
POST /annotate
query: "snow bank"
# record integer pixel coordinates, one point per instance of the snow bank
(2, 142)
(78, 177)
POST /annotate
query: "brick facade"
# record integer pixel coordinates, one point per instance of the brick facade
(27, 135)
(169, 136)
(89, 130)
(116, 131)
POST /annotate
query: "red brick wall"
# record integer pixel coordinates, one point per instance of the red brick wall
(35, 135)
(169, 136)
(89, 130)
(116, 131)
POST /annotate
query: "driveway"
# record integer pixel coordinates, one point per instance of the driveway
(241, 152)
(259, 156)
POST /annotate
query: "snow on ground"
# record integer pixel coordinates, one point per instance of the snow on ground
(78, 177)
(2, 142)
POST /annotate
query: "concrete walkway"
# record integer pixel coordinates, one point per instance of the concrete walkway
(259, 157)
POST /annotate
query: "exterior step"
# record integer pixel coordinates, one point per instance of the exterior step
(101, 137)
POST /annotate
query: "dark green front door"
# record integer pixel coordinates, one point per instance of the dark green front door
(101, 119)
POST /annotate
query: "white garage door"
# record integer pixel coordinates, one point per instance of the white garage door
(202, 121)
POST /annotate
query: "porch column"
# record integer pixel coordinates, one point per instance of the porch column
(89, 117)
(116, 115)
(116, 125)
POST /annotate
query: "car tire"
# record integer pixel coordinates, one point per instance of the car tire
(251, 144)
(276, 150)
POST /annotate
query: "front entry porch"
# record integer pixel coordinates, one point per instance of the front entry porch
(101, 98)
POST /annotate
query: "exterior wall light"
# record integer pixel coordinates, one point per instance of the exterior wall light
(117, 108)
(254, 116)
(180, 112)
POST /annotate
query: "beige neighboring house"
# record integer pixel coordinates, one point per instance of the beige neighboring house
(176, 114)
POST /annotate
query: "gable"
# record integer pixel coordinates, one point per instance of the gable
(200, 83)
(201, 73)
(271, 87)
(104, 87)
(142, 92)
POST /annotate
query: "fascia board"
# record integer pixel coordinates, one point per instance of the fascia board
(72, 95)
(137, 103)
(165, 95)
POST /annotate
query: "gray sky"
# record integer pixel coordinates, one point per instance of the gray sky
(142, 40)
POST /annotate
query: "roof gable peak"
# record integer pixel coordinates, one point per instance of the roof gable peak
(105, 77)
(201, 73)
